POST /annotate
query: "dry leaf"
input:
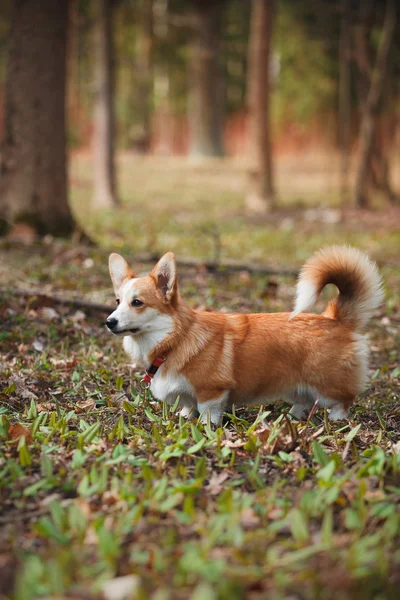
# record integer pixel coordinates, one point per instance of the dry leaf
(45, 406)
(285, 440)
(21, 390)
(121, 588)
(64, 363)
(214, 486)
(249, 519)
(85, 405)
(49, 313)
(79, 315)
(38, 345)
(15, 432)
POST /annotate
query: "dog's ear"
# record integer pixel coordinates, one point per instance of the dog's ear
(165, 276)
(119, 270)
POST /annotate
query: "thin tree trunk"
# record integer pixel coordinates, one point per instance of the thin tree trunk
(144, 76)
(368, 123)
(206, 94)
(261, 196)
(344, 100)
(105, 193)
(33, 171)
(161, 80)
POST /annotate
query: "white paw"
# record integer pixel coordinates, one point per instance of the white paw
(338, 413)
(213, 409)
(188, 412)
(212, 414)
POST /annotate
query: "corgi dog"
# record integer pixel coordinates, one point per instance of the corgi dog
(212, 361)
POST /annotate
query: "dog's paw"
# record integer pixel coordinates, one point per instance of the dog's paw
(338, 413)
(189, 412)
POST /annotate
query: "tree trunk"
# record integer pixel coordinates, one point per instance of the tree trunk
(344, 100)
(105, 194)
(261, 196)
(206, 90)
(143, 76)
(33, 171)
(368, 123)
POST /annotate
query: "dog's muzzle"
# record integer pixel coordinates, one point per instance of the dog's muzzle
(112, 324)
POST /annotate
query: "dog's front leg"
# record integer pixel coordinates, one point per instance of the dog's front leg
(213, 409)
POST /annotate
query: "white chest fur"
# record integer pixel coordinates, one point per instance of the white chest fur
(167, 386)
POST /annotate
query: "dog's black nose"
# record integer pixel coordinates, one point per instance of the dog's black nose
(111, 323)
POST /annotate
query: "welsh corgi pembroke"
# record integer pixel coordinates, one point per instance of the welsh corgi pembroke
(212, 361)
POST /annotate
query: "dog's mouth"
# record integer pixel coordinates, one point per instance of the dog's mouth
(125, 331)
(132, 331)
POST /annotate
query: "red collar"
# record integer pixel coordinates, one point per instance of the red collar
(151, 371)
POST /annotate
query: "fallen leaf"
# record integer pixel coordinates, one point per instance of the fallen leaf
(38, 345)
(45, 406)
(64, 363)
(214, 486)
(15, 432)
(85, 405)
(49, 313)
(283, 440)
(79, 315)
(249, 519)
(21, 389)
(121, 588)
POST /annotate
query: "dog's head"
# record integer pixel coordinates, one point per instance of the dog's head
(145, 304)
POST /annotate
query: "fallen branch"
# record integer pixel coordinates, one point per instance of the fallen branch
(222, 268)
(75, 302)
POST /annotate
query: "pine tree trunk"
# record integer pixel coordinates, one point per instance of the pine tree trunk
(105, 194)
(33, 171)
(206, 90)
(370, 109)
(261, 195)
(144, 76)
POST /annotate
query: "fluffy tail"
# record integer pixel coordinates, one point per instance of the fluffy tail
(353, 273)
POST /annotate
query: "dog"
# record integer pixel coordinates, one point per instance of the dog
(212, 361)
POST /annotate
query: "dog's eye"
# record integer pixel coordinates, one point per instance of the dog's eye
(137, 302)
(117, 301)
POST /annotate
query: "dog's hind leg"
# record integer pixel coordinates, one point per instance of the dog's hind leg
(303, 400)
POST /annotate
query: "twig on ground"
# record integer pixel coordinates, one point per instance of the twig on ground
(76, 302)
(346, 450)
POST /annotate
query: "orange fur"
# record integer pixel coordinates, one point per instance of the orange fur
(256, 357)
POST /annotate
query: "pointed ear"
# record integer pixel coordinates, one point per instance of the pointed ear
(165, 276)
(119, 270)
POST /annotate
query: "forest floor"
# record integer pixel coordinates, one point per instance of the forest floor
(107, 494)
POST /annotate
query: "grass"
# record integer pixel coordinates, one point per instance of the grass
(168, 204)
(98, 482)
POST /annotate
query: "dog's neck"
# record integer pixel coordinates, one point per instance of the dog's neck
(146, 346)
(183, 320)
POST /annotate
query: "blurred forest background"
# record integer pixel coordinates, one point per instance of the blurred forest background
(181, 120)
(242, 135)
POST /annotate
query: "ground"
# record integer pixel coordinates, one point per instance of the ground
(98, 482)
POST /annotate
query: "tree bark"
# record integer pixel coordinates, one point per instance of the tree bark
(206, 89)
(261, 196)
(143, 76)
(345, 100)
(105, 193)
(370, 110)
(33, 170)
